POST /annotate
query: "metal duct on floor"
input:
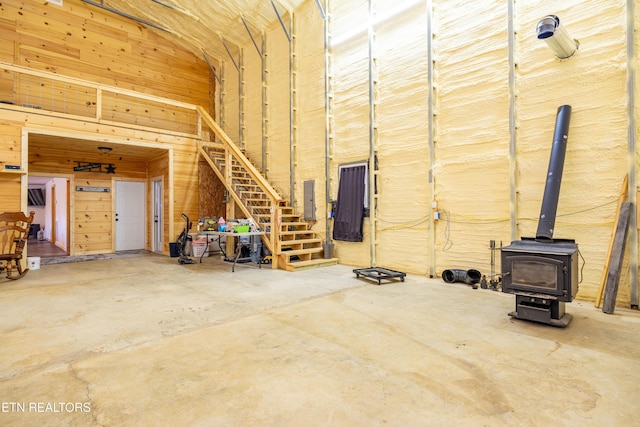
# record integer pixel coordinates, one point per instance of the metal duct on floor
(470, 277)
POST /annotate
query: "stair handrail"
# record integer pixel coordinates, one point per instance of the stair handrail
(239, 155)
(223, 179)
(272, 237)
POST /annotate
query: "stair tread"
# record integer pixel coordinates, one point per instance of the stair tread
(302, 251)
(291, 225)
(268, 213)
(312, 263)
(292, 232)
(300, 242)
(315, 261)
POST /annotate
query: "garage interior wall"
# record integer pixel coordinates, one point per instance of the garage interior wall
(473, 176)
(484, 177)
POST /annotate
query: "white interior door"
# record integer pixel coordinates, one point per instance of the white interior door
(130, 215)
(157, 215)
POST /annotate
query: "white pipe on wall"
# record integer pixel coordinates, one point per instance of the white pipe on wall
(556, 36)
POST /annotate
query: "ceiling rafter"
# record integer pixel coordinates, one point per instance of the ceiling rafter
(197, 25)
(177, 9)
(127, 15)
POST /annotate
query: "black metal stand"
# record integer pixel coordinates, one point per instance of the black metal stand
(221, 244)
(251, 258)
(541, 309)
(379, 274)
(243, 241)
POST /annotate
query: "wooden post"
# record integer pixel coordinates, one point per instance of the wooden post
(607, 263)
(617, 256)
(276, 221)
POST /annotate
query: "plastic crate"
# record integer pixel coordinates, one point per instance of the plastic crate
(199, 249)
(33, 262)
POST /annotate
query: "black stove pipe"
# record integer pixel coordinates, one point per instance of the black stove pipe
(554, 175)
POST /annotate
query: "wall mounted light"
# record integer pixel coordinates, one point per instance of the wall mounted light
(556, 36)
(105, 150)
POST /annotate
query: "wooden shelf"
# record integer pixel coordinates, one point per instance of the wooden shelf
(18, 172)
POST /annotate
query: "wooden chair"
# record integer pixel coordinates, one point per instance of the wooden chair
(14, 232)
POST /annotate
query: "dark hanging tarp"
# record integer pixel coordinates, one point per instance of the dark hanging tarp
(347, 224)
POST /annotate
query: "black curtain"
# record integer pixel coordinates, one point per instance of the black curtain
(347, 224)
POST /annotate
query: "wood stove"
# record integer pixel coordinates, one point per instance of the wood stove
(542, 272)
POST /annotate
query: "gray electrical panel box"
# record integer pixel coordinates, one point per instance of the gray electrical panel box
(309, 201)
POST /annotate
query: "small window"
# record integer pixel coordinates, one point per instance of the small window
(36, 197)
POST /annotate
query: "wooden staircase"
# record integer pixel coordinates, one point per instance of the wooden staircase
(292, 243)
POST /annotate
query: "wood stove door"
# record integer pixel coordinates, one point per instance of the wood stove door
(534, 273)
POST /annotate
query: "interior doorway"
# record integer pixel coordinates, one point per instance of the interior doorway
(49, 199)
(157, 215)
(86, 233)
(130, 217)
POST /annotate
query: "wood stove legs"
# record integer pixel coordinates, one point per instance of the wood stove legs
(541, 309)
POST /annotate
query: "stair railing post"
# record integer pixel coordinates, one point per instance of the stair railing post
(228, 161)
(276, 221)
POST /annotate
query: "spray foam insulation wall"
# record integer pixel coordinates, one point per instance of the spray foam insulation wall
(310, 105)
(200, 25)
(278, 147)
(229, 118)
(471, 169)
(351, 109)
(253, 111)
(402, 147)
(593, 82)
(474, 171)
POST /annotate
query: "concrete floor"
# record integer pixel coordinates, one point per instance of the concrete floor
(143, 341)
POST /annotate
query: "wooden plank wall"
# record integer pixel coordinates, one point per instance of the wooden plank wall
(93, 217)
(9, 192)
(92, 212)
(10, 154)
(81, 41)
(10, 149)
(211, 192)
(54, 160)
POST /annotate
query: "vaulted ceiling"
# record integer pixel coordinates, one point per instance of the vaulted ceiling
(201, 25)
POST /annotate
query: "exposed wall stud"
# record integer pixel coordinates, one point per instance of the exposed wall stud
(631, 132)
(513, 173)
(432, 148)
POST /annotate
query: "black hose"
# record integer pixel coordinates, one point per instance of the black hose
(470, 277)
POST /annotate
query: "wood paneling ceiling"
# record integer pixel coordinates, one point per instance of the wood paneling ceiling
(87, 150)
(200, 25)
